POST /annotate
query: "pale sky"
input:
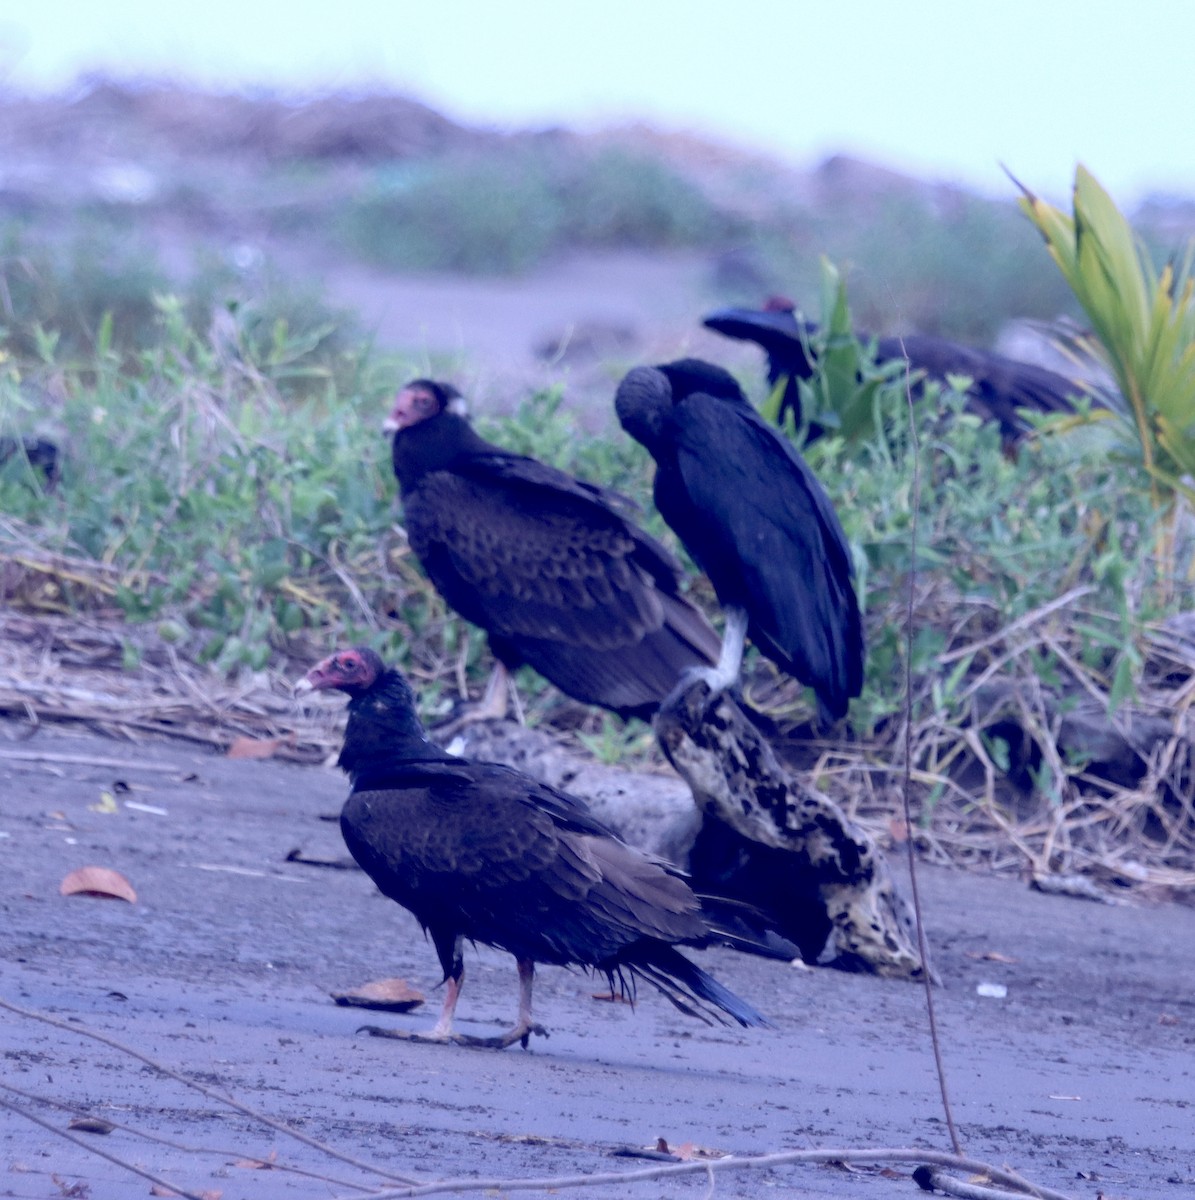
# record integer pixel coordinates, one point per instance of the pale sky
(944, 88)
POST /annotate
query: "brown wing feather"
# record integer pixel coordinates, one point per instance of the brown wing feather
(542, 567)
(487, 860)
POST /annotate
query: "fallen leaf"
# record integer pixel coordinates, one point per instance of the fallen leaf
(98, 881)
(611, 997)
(1167, 1019)
(390, 995)
(258, 1164)
(247, 747)
(158, 1190)
(91, 1125)
(990, 956)
(72, 1191)
(898, 830)
(688, 1151)
(107, 804)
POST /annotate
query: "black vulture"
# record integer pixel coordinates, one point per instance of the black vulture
(999, 386)
(41, 455)
(548, 565)
(481, 852)
(756, 520)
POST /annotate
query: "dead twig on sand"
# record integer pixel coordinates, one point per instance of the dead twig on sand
(1016, 1186)
(211, 1093)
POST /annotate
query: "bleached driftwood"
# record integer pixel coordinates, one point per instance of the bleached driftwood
(834, 873)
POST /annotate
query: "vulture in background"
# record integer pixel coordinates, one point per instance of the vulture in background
(757, 522)
(482, 852)
(999, 386)
(41, 455)
(546, 564)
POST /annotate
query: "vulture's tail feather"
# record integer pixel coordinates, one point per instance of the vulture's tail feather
(690, 989)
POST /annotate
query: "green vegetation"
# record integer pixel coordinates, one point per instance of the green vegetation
(1143, 321)
(850, 391)
(99, 298)
(228, 494)
(224, 490)
(496, 214)
(959, 267)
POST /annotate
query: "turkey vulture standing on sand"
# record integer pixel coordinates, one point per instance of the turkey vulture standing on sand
(546, 564)
(999, 386)
(757, 522)
(482, 852)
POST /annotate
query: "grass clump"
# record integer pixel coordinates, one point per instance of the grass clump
(504, 214)
(246, 512)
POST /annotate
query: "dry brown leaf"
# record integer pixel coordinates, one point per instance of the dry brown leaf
(91, 1125)
(390, 995)
(611, 997)
(72, 1191)
(158, 1190)
(247, 747)
(898, 830)
(990, 956)
(98, 881)
(688, 1151)
(107, 804)
(258, 1164)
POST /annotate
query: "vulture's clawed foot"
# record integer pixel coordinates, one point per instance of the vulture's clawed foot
(689, 678)
(520, 1033)
(407, 1035)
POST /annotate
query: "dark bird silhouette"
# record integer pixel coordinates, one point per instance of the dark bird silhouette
(42, 456)
(481, 852)
(756, 520)
(999, 386)
(546, 564)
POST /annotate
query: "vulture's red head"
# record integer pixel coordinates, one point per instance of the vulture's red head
(418, 401)
(353, 671)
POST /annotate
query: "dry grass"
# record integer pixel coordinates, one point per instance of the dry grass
(1061, 822)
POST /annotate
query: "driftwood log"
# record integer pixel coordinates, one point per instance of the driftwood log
(771, 840)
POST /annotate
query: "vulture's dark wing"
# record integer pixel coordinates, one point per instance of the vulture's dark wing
(764, 530)
(524, 558)
(1000, 386)
(558, 579)
(503, 860)
(777, 332)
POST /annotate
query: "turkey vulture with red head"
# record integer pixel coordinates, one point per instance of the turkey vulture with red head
(999, 386)
(548, 565)
(481, 852)
(757, 522)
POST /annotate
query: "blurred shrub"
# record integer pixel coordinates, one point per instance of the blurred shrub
(504, 214)
(100, 294)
